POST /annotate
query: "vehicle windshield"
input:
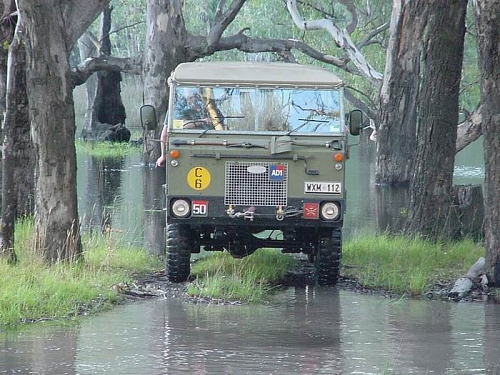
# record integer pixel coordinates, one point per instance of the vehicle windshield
(301, 110)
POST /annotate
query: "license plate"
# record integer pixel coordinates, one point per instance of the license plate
(323, 187)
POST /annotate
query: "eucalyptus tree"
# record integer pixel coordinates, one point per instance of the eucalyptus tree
(438, 106)
(168, 43)
(395, 115)
(397, 122)
(105, 110)
(488, 24)
(18, 176)
(51, 29)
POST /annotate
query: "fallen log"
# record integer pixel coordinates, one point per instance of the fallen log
(465, 284)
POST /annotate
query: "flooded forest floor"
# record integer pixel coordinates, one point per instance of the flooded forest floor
(157, 285)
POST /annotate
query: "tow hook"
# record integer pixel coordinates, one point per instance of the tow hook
(247, 214)
(230, 211)
(279, 213)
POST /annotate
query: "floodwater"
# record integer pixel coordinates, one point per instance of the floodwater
(305, 331)
(308, 330)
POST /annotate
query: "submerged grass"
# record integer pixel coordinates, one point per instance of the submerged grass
(250, 279)
(407, 266)
(103, 150)
(32, 290)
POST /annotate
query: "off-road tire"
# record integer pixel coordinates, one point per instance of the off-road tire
(178, 260)
(327, 262)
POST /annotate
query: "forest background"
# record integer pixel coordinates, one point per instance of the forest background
(411, 66)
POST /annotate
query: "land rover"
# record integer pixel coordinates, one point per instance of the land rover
(256, 158)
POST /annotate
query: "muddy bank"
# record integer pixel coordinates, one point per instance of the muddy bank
(157, 285)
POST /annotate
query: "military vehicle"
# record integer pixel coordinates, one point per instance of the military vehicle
(256, 158)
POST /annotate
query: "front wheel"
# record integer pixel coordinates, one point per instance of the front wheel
(178, 261)
(327, 262)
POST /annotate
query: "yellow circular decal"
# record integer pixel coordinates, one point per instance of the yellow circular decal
(198, 178)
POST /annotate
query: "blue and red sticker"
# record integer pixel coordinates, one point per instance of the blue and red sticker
(276, 172)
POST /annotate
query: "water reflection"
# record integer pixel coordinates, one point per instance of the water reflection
(221, 339)
(391, 208)
(112, 192)
(154, 220)
(103, 186)
(42, 350)
(305, 331)
(126, 195)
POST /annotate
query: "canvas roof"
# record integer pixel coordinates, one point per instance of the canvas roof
(254, 74)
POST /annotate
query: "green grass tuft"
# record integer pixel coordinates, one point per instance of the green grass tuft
(407, 266)
(250, 279)
(103, 150)
(32, 290)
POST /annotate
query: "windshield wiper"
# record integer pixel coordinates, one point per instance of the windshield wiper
(306, 121)
(245, 145)
(220, 120)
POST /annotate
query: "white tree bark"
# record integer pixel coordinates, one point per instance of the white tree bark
(469, 130)
(342, 40)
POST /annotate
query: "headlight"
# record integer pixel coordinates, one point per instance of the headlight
(180, 208)
(330, 211)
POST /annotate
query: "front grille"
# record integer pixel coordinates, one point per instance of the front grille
(243, 188)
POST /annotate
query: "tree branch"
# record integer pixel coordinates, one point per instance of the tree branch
(368, 39)
(78, 14)
(247, 44)
(469, 130)
(84, 70)
(222, 20)
(359, 104)
(354, 15)
(341, 38)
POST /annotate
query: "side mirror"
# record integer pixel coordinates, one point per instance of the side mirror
(148, 117)
(355, 121)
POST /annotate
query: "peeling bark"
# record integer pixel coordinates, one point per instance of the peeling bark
(18, 159)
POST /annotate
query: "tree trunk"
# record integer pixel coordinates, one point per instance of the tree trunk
(488, 26)
(166, 41)
(430, 193)
(52, 29)
(468, 204)
(108, 102)
(18, 162)
(16, 70)
(88, 49)
(52, 115)
(396, 133)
